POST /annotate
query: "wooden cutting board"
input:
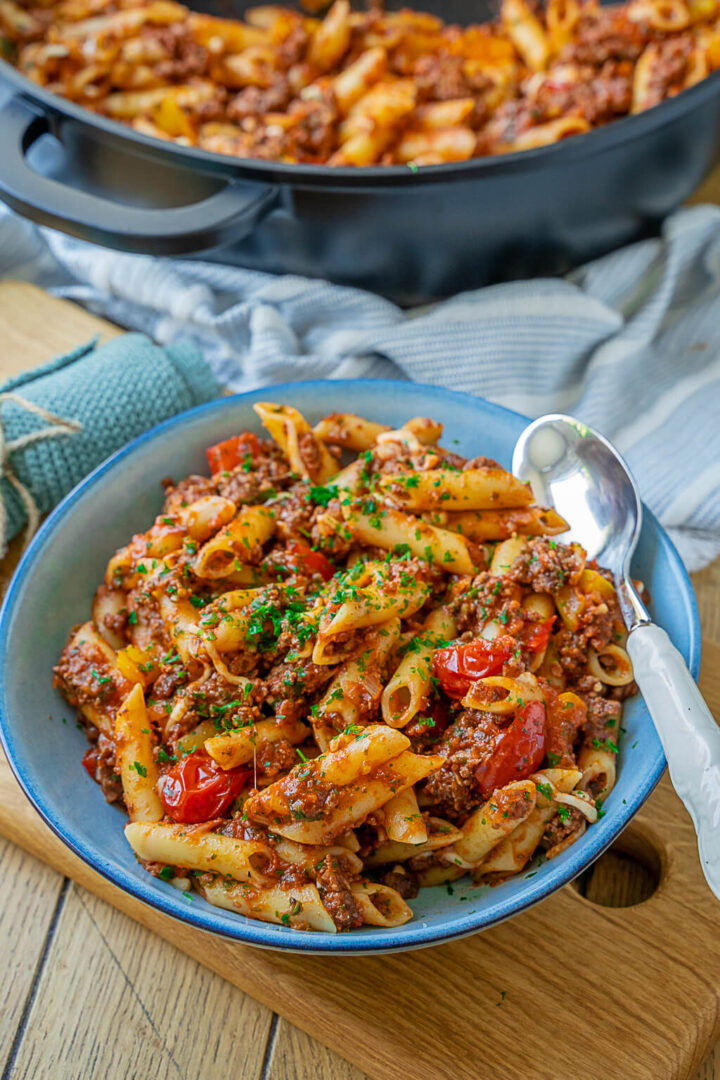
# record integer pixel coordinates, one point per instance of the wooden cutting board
(572, 990)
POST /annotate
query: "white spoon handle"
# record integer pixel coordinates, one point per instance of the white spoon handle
(688, 733)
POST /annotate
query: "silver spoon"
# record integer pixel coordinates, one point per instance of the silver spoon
(578, 472)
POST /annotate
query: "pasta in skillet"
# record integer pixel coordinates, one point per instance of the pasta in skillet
(317, 686)
(360, 88)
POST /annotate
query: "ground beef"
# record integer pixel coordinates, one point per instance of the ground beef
(275, 758)
(558, 829)
(293, 48)
(598, 97)
(670, 70)
(594, 631)
(481, 463)
(312, 137)
(561, 730)
(603, 719)
(294, 513)
(489, 597)
(465, 745)
(440, 78)
(215, 690)
(186, 492)
(297, 680)
(336, 895)
(546, 566)
(256, 101)
(303, 794)
(99, 761)
(606, 34)
(166, 684)
(184, 56)
(264, 471)
(404, 883)
(76, 677)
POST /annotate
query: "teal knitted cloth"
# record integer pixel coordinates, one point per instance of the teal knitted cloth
(105, 395)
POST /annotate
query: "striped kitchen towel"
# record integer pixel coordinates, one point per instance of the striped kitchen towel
(629, 343)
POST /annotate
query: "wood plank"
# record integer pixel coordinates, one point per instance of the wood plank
(295, 1056)
(707, 591)
(116, 1001)
(36, 327)
(29, 896)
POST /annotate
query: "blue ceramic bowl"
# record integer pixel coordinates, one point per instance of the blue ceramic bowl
(53, 588)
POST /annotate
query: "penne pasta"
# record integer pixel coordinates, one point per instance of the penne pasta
(399, 88)
(482, 525)
(324, 677)
(408, 691)
(439, 489)
(391, 529)
(307, 454)
(197, 849)
(240, 542)
(240, 747)
(135, 761)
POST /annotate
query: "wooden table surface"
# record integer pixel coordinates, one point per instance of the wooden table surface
(87, 992)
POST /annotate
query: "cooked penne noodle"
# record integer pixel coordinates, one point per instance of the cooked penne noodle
(307, 454)
(380, 905)
(517, 693)
(526, 33)
(496, 819)
(408, 691)
(239, 542)
(482, 525)
(358, 684)
(372, 605)
(514, 852)
(239, 747)
(135, 761)
(108, 605)
(403, 820)
(197, 849)
(348, 430)
(545, 134)
(505, 555)
(391, 529)
(598, 770)
(439, 489)
(612, 666)
(441, 834)
(299, 907)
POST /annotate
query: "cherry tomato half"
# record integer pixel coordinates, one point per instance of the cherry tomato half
(224, 456)
(313, 562)
(89, 761)
(537, 634)
(197, 789)
(518, 752)
(459, 665)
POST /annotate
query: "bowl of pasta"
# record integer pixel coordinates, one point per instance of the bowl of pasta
(337, 682)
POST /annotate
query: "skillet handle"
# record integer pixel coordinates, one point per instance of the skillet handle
(228, 215)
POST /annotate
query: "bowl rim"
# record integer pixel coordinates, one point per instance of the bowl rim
(415, 934)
